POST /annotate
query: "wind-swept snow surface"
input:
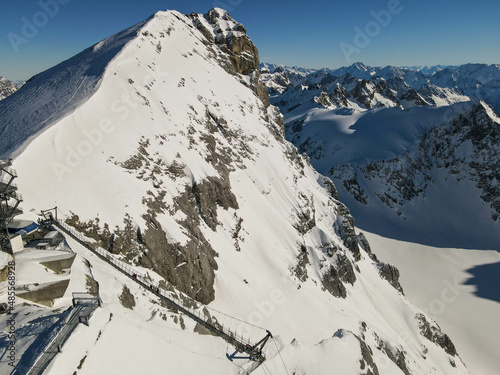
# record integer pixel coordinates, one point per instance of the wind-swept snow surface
(53, 94)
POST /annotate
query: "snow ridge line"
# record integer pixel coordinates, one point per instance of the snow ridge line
(254, 350)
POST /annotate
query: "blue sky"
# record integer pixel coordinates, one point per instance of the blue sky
(314, 34)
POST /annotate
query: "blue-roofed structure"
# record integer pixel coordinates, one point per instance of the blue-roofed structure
(22, 227)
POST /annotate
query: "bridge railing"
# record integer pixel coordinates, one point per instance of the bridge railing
(216, 319)
(78, 313)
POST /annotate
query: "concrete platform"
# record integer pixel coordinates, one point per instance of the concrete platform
(43, 294)
(59, 263)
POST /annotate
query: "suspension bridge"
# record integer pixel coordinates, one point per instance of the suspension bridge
(245, 337)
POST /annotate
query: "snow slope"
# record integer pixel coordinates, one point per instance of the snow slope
(176, 140)
(444, 283)
(54, 93)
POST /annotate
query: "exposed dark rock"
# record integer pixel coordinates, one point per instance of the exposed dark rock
(347, 231)
(431, 331)
(305, 215)
(199, 25)
(236, 233)
(398, 357)
(242, 53)
(259, 88)
(125, 240)
(330, 186)
(126, 298)
(367, 358)
(366, 247)
(82, 361)
(212, 193)
(353, 187)
(339, 97)
(364, 242)
(300, 270)
(312, 148)
(414, 97)
(323, 100)
(391, 274)
(91, 285)
(340, 273)
(176, 169)
(401, 362)
(91, 229)
(189, 267)
(384, 89)
(4, 308)
(364, 92)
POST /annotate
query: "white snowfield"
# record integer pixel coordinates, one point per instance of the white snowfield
(160, 85)
(443, 283)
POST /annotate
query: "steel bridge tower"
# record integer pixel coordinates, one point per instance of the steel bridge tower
(9, 203)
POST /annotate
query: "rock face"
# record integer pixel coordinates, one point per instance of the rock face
(340, 273)
(190, 267)
(232, 39)
(432, 332)
(127, 298)
(391, 274)
(366, 363)
(347, 232)
(414, 97)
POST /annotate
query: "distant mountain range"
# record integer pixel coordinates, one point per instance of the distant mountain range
(481, 81)
(410, 149)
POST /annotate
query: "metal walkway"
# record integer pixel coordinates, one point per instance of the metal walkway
(200, 314)
(80, 312)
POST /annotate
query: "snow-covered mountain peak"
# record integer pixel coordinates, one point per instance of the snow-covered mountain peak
(51, 95)
(490, 112)
(8, 87)
(223, 25)
(174, 160)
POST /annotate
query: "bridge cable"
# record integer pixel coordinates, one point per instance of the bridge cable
(280, 356)
(266, 370)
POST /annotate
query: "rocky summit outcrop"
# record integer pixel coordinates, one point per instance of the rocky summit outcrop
(232, 39)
